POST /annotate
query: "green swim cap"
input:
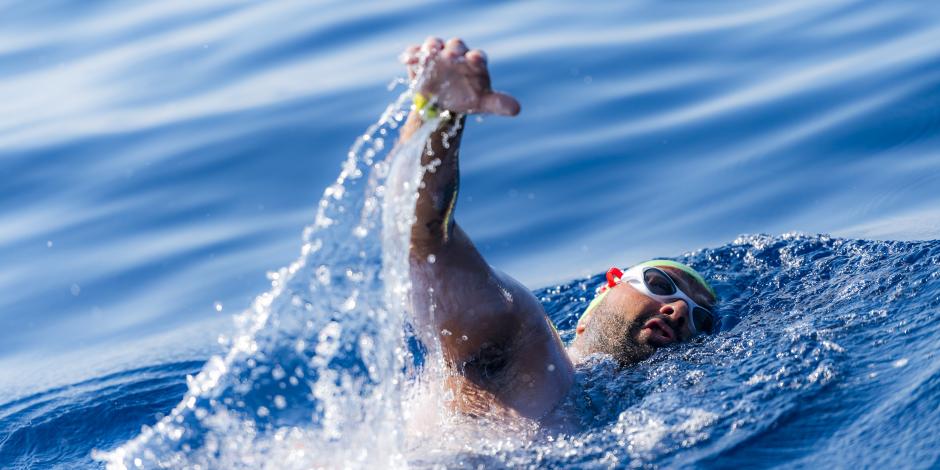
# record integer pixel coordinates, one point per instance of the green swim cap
(658, 263)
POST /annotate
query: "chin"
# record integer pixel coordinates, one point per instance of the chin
(638, 349)
(645, 338)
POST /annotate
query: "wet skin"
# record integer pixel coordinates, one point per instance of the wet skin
(493, 333)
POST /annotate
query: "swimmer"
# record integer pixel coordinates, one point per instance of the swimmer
(503, 350)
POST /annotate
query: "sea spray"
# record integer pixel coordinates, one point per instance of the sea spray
(315, 375)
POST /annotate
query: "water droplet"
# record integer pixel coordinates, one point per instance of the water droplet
(280, 402)
(323, 275)
(75, 290)
(432, 258)
(900, 362)
(49, 244)
(445, 332)
(551, 367)
(350, 303)
(218, 306)
(263, 411)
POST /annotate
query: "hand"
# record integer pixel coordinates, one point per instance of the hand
(456, 78)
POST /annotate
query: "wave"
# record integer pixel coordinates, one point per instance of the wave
(829, 358)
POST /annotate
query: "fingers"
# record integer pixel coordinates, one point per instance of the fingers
(455, 48)
(477, 55)
(427, 54)
(410, 55)
(499, 103)
(477, 59)
(416, 56)
(411, 58)
(432, 45)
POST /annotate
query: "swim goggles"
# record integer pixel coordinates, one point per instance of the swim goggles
(658, 285)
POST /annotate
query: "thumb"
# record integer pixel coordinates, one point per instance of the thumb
(499, 103)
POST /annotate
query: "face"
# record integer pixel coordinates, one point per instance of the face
(631, 325)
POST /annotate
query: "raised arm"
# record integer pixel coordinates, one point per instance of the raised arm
(493, 332)
(454, 79)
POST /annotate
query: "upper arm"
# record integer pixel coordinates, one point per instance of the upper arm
(492, 330)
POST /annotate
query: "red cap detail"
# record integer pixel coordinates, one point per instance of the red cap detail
(613, 276)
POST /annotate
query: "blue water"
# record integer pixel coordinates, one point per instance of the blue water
(157, 160)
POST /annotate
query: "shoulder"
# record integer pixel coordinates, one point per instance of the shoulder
(524, 364)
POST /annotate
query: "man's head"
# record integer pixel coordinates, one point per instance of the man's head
(643, 309)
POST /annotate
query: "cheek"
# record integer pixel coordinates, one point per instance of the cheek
(630, 304)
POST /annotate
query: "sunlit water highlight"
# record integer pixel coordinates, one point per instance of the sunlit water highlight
(157, 159)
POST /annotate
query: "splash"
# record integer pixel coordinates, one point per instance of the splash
(315, 375)
(832, 362)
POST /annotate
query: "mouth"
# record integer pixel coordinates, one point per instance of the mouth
(660, 333)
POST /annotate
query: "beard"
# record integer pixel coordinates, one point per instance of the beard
(609, 334)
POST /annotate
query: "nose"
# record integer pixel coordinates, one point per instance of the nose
(678, 312)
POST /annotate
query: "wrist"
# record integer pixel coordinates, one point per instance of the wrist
(425, 106)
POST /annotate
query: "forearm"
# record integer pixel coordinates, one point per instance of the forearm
(437, 194)
(449, 275)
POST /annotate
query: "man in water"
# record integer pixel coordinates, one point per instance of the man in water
(495, 336)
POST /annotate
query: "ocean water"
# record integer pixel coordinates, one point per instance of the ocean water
(164, 166)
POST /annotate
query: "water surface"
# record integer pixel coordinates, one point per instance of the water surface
(157, 160)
